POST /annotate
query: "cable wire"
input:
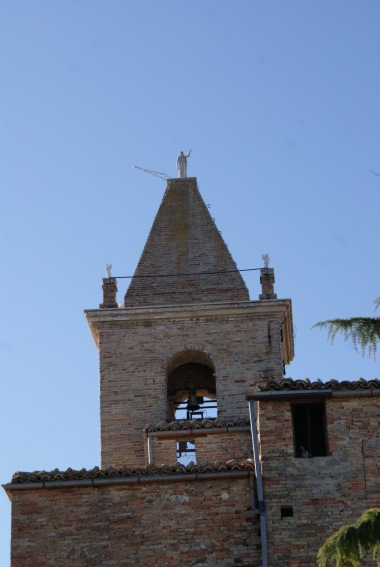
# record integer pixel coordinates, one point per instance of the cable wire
(187, 274)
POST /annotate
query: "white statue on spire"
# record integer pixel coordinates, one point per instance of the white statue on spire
(182, 164)
(265, 257)
(108, 270)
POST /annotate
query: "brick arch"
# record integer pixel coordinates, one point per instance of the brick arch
(188, 366)
(188, 354)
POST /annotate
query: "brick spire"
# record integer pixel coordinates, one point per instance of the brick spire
(184, 240)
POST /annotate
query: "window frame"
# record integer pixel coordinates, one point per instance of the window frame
(312, 447)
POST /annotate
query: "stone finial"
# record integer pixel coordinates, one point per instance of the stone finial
(108, 270)
(109, 293)
(267, 280)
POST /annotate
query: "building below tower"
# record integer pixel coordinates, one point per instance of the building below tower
(208, 455)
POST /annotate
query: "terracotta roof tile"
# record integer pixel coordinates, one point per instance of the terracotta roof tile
(150, 470)
(189, 425)
(290, 384)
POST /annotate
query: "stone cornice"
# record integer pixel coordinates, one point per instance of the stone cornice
(281, 308)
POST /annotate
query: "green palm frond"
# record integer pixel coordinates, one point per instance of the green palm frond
(364, 332)
(346, 547)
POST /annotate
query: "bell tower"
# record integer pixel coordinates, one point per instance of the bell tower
(187, 335)
(191, 389)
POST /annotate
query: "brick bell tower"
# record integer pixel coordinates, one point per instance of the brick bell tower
(187, 362)
(178, 361)
(186, 336)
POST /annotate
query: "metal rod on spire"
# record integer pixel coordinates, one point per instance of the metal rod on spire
(152, 172)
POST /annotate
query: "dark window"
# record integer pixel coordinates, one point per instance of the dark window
(309, 430)
(286, 511)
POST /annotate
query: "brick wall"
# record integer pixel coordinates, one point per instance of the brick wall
(165, 450)
(184, 240)
(167, 524)
(211, 447)
(134, 358)
(224, 446)
(324, 492)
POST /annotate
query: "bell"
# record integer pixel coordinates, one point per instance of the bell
(192, 402)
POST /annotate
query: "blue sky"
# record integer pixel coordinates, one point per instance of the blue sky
(279, 102)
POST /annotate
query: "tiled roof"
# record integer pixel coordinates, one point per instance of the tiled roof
(189, 425)
(290, 384)
(150, 470)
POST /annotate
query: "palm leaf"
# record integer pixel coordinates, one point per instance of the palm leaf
(364, 332)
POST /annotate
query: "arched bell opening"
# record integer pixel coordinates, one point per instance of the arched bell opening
(192, 391)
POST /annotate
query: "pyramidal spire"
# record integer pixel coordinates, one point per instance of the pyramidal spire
(185, 259)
